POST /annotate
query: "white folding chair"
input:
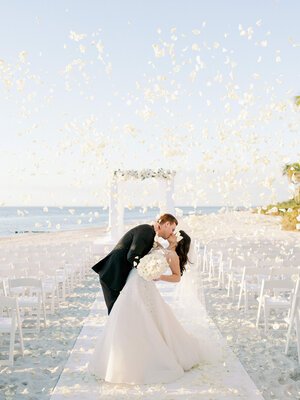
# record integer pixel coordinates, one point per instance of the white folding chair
(50, 288)
(62, 279)
(224, 270)
(3, 291)
(273, 295)
(293, 319)
(56, 268)
(215, 260)
(251, 283)
(31, 297)
(234, 277)
(49, 283)
(10, 322)
(6, 269)
(235, 273)
(204, 260)
(284, 272)
(21, 268)
(199, 254)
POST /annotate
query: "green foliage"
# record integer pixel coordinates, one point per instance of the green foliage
(287, 204)
(289, 169)
(297, 195)
(289, 220)
(288, 210)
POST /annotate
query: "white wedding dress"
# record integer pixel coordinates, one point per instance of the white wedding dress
(143, 342)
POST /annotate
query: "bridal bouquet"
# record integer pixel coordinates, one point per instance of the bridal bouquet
(152, 265)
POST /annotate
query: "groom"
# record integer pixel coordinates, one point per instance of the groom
(114, 269)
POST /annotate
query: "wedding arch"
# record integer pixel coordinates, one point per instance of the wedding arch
(116, 206)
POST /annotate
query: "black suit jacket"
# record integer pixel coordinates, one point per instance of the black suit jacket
(115, 267)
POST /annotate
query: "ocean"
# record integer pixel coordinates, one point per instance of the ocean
(19, 220)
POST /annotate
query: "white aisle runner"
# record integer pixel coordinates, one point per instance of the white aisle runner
(224, 380)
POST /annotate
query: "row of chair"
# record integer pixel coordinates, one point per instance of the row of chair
(271, 285)
(35, 284)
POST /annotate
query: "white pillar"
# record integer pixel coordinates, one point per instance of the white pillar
(170, 196)
(116, 208)
(120, 219)
(113, 210)
(166, 203)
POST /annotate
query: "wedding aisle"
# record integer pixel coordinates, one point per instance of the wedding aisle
(225, 380)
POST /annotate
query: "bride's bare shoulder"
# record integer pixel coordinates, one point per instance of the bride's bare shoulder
(172, 255)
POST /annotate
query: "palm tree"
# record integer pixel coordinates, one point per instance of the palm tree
(292, 171)
(297, 173)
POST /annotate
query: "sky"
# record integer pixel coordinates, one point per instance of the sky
(202, 88)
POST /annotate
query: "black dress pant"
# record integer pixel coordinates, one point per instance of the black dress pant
(110, 295)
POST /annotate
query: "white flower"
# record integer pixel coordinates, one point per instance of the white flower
(152, 265)
(178, 236)
(144, 174)
(77, 36)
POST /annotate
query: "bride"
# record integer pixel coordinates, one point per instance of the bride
(143, 342)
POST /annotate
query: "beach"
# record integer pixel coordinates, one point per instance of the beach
(276, 375)
(35, 375)
(114, 113)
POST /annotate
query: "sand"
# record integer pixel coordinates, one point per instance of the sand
(225, 379)
(35, 375)
(276, 375)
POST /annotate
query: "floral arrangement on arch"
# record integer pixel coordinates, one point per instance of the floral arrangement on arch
(144, 174)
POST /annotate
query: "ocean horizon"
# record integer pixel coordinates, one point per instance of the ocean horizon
(37, 219)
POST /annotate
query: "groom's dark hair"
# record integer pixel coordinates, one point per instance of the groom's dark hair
(167, 218)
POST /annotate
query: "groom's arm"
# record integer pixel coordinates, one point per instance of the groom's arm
(142, 243)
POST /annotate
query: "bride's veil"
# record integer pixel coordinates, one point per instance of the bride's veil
(189, 292)
(191, 308)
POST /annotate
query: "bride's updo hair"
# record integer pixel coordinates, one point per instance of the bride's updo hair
(182, 249)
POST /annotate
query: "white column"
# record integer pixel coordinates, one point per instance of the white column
(162, 201)
(113, 210)
(120, 219)
(170, 196)
(166, 203)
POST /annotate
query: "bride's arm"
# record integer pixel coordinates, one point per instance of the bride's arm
(173, 261)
